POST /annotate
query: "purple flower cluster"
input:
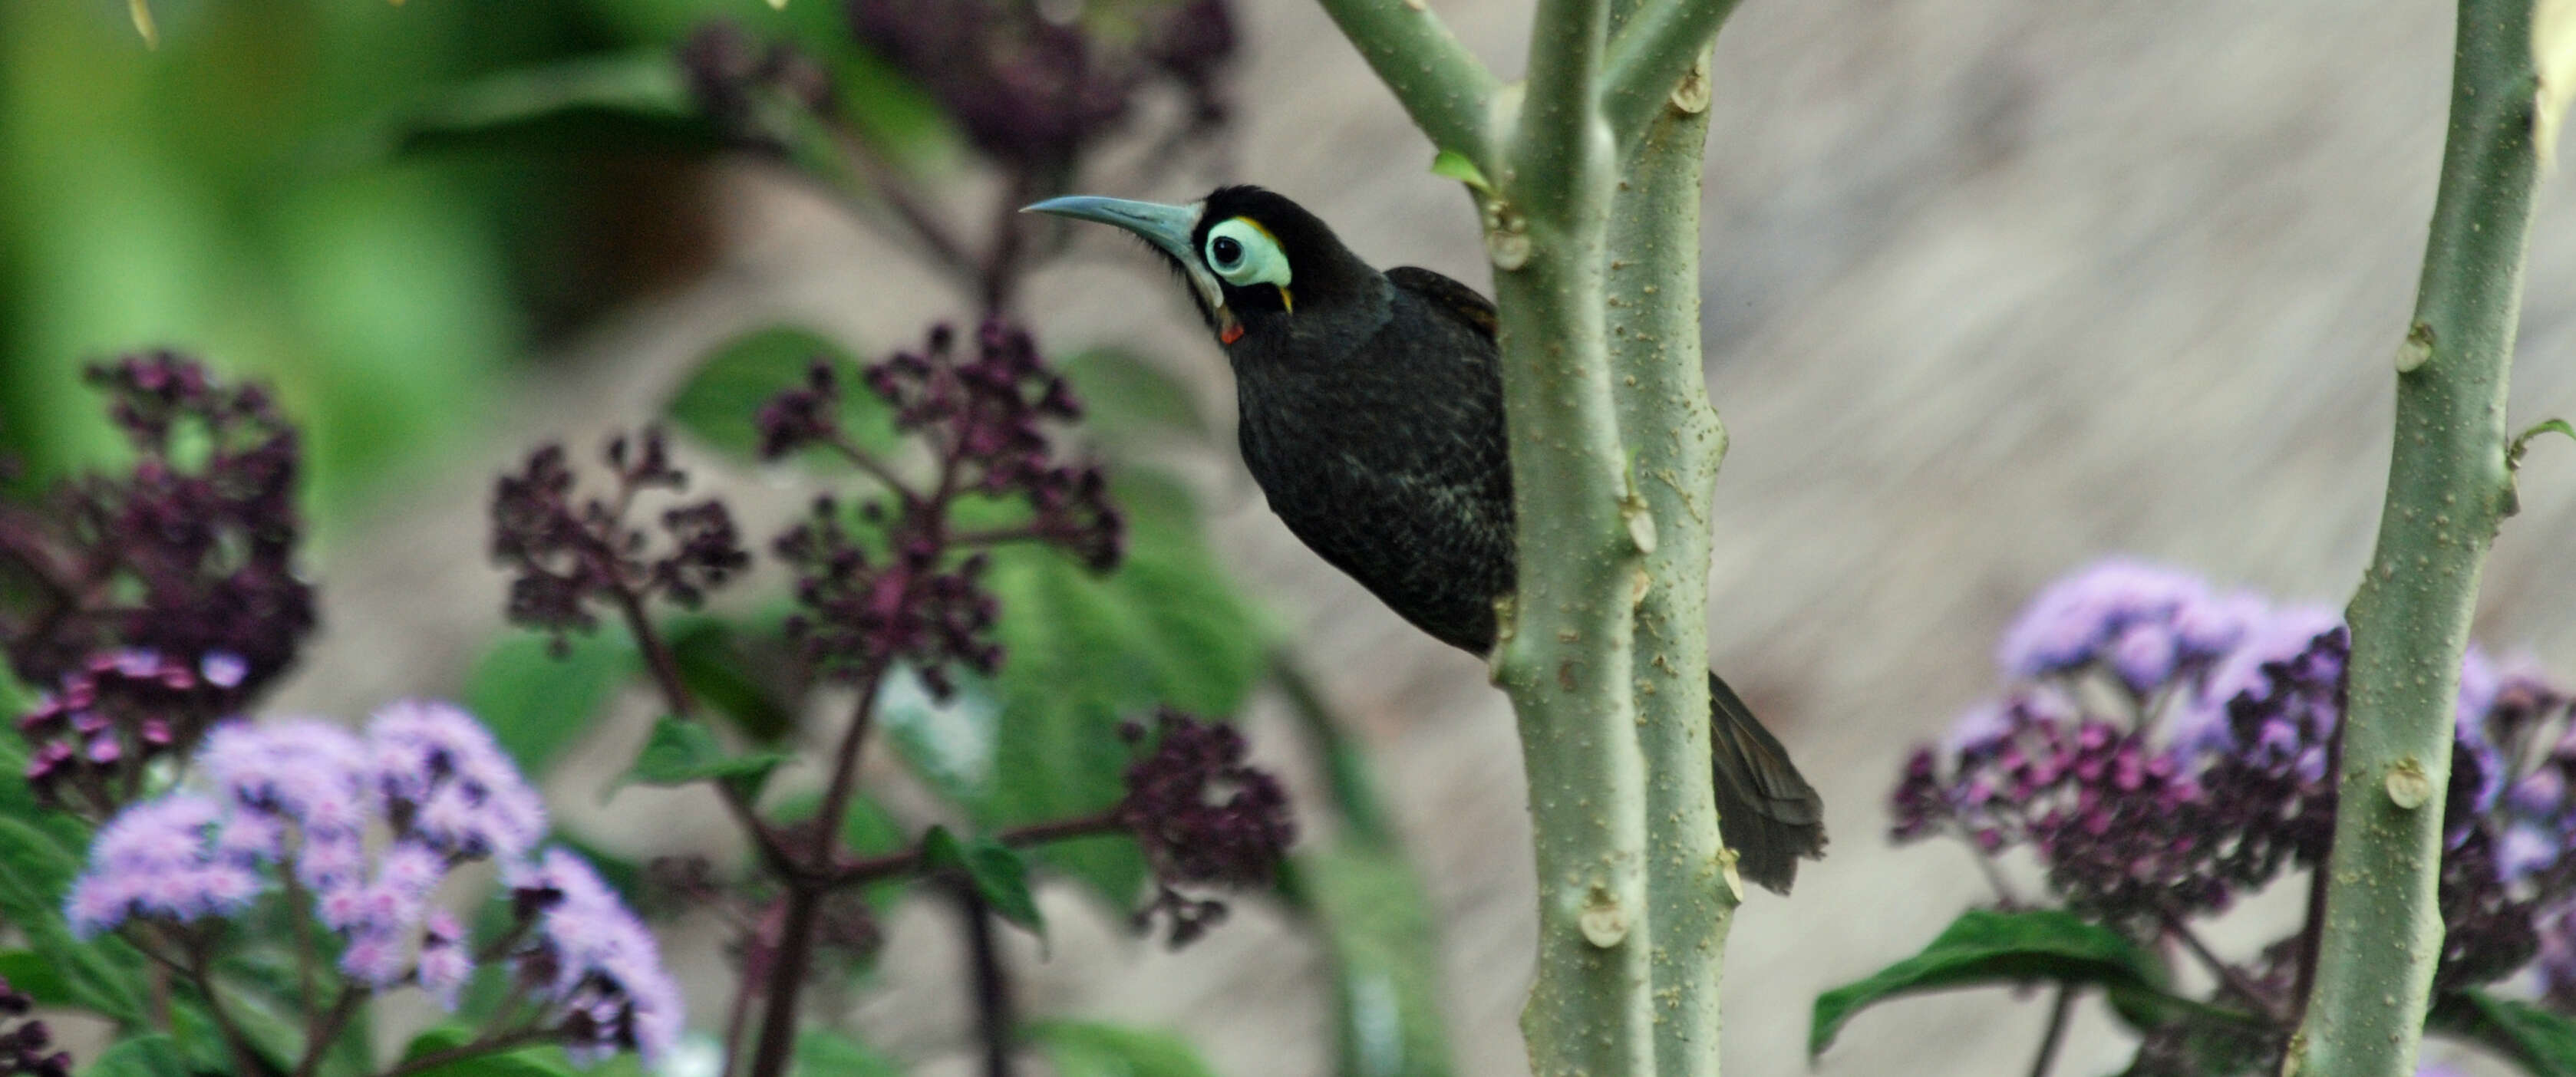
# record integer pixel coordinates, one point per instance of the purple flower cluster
(569, 552)
(2166, 747)
(592, 962)
(367, 830)
(90, 738)
(906, 597)
(1032, 90)
(22, 1049)
(1204, 818)
(188, 555)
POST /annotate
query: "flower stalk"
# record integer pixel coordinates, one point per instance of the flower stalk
(2448, 487)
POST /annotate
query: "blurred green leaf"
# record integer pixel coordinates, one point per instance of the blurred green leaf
(722, 398)
(1000, 874)
(149, 1055)
(2542, 1042)
(1984, 947)
(1386, 960)
(1089, 1049)
(525, 1062)
(722, 672)
(681, 751)
(630, 103)
(1085, 653)
(537, 704)
(1124, 396)
(830, 1054)
(36, 872)
(28, 972)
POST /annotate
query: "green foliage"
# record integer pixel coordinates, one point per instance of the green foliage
(721, 398)
(1088, 1049)
(998, 872)
(537, 703)
(525, 1062)
(151, 1055)
(1124, 397)
(735, 674)
(1988, 948)
(830, 1054)
(681, 751)
(1372, 911)
(611, 103)
(2542, 1042)
(1085, 653)
(36, 870)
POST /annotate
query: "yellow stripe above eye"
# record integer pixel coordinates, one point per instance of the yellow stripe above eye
(1257, 227)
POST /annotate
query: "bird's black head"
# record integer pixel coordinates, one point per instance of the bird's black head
(1258, 264)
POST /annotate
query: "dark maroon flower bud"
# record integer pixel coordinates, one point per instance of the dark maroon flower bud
(1204, 817)
(569, 553)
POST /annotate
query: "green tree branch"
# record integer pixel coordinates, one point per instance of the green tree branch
(1656, 47)
(2447, 491)
(1667, 421)
(1441, 85)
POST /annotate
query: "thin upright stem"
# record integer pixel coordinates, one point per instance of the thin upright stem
(995, 1023)
(807, 889)
(327, 1028)
(1654, 51)
(665, 670)
(2229, 976)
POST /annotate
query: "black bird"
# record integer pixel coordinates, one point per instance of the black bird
(1372, 417)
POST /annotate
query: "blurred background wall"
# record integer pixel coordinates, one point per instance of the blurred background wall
(1993, 288)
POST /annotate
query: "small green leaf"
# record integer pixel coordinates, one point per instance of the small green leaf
(830, 1054)
(524, 1062)
(681, 751)
(998, 871)
(722, 672)
(537, 703)
(1986, 947)
(1123, 395)
(1454, 165)
(721, 401)
(2541, 1041)
(1089, 1049)
(150, 1055)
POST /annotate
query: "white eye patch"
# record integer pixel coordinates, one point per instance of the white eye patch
(1243, 253)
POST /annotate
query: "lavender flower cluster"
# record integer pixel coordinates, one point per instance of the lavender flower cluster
(1204, 818)
(365, 831)
(985, 418)
(161, 598)
(2166, 747)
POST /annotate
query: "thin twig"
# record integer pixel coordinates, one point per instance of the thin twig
(2229, 976)
(892, 865)
(2056, 1034)
(994, 1020)
(328, 1028)
(675, 694)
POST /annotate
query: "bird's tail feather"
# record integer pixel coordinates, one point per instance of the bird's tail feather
(1766, 811)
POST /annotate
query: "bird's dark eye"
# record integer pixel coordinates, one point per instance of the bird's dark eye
(1227, 251)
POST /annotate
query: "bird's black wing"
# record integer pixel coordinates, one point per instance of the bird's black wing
(1464, 302)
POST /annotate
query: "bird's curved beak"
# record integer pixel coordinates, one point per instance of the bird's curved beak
(1168, 228)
